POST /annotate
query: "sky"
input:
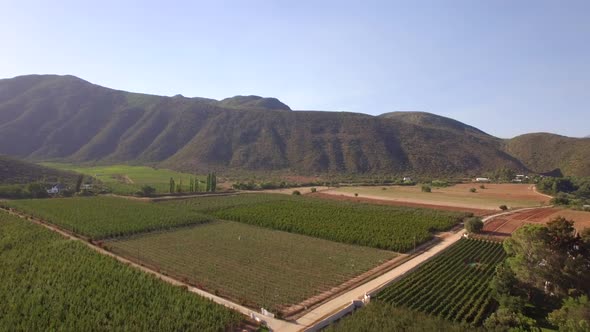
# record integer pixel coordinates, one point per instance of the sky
(506, 67)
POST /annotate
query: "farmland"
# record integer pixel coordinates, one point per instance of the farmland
(50, 283)
(252, 265)
(103, 217)
(384, 227)
(454, 285)
(125, 179)
(381, 316)
(505, 225)
(490, 198)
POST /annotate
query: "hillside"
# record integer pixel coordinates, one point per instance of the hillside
(546, 152)
(65, 118)
(13, 171)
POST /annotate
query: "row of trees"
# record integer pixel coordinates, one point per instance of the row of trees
(546, 279)
(194, 185)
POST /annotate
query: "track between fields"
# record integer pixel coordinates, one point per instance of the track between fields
(316, 318)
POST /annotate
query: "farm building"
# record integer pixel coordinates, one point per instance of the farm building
(55, 189)
(482, 180)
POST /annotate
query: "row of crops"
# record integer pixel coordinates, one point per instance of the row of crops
(381, 316)
(50, 283)
(378, 226)
(251, 265)
(104, 217)
(454, 285)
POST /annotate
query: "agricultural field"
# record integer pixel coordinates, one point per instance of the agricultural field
(381, 316)
(505, 225)
(383, 227)
(126, 180)
(254, 266)
(490, 198)
(51, 283)
(453, 286)
(102, 217)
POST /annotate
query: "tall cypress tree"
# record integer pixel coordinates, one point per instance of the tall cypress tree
(208, 182)
(213, 182)
(172, 185)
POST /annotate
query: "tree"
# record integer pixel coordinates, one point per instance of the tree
(473, 190)
(172, 186)
(473, 225)
(506, 320)
(503, 207)
(296, 193)
(213, 182)
(79, 182)
(208, 188)
(313, 190)
(426, 189)
(147, 191)
(574, 315)
(37, 190)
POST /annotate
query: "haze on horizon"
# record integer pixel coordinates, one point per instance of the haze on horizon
(505, 67)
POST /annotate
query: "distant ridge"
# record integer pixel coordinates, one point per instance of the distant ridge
(51, 117)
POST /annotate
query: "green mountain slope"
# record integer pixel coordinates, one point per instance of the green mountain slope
(14, 171)
(65, 118)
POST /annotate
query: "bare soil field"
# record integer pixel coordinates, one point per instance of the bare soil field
(477, 212)
(459, 196)
(506, 225)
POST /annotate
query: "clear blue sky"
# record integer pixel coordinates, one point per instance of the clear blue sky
(507, 67)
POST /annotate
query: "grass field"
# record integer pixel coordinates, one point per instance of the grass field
(494, 195)
(50, 283)
(101, 217)
(253, 265)
(454, 285)
(385, 227)
(125, 179)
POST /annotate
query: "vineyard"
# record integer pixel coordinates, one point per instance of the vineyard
(384, 227)
(380, 316)
(254, 266)
(104, 217)
(453, 286)
(50, 283)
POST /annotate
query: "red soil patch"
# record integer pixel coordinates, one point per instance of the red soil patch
(477, 212)
(506, 225)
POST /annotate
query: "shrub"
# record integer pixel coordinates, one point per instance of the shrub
(296, 193)
(473, 190)
(313, 190)
(482, 187)
(473, 225)
(356, 194)
(426, 189)
(503, 207)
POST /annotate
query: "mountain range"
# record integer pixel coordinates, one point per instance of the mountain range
(50, 117)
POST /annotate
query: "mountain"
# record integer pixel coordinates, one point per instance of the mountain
(546, 152)
(50, 117)
(14, 171)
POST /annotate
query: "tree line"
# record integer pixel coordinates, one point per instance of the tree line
(194, 185)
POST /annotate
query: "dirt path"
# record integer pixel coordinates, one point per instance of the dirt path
(274, 324)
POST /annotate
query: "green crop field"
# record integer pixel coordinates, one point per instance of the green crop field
(385, 227)
(103, 217)
(381, 316)
(125, 179)
(50, 283)
(454, 285)
(252, 265)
